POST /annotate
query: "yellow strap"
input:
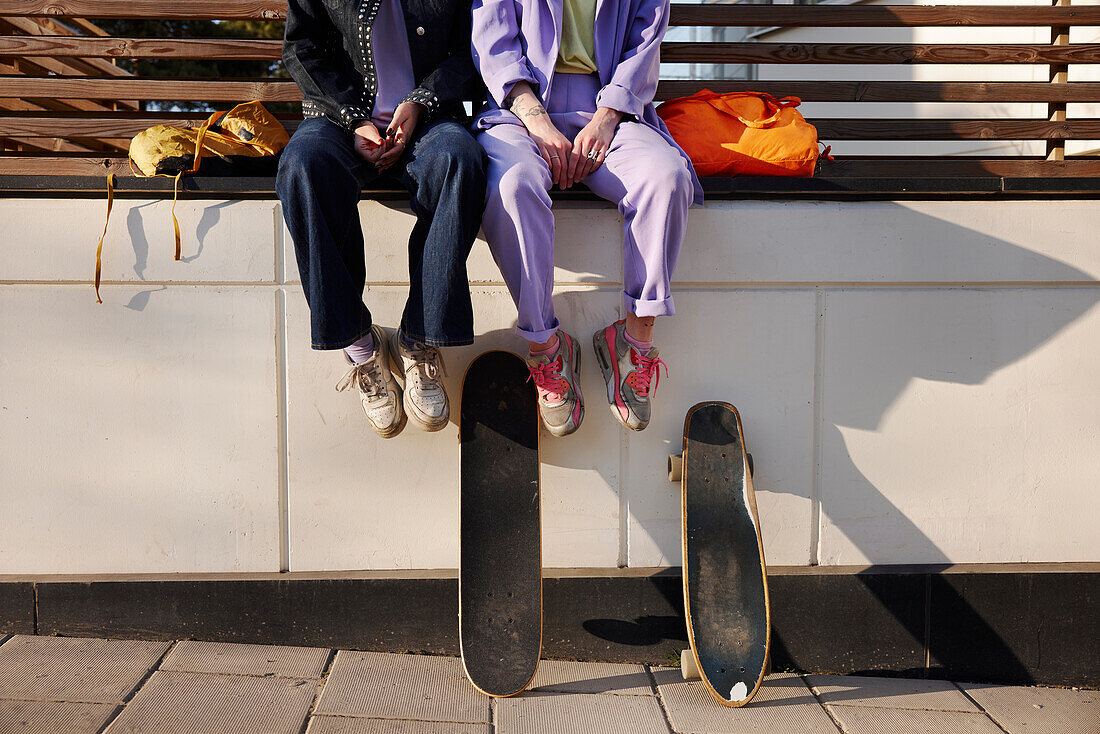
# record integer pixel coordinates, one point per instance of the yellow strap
(199, 137)
(175, 222)
(99, 248)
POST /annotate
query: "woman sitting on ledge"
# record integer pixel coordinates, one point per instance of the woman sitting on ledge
(383, 83)
(571, 101)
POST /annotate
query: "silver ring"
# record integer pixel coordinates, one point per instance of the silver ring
(593, 155)
(554, 157)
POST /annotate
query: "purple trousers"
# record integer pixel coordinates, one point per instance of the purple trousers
(642, 174)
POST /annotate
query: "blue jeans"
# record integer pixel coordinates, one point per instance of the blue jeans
(320, 182)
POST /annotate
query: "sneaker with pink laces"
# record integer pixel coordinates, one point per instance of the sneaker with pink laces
(631, 376)
(558, 380)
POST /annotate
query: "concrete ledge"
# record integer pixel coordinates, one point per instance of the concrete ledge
(1010, 623)
(818, 187)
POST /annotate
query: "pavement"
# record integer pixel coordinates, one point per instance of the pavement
(66, 685)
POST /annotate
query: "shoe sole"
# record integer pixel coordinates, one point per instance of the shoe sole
(430, 426)
(610, 375)
(392, 433)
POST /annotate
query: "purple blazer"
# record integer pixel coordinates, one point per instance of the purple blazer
(518, 40)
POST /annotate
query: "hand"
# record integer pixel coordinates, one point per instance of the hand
(405, 119)
(369, 143)
(591, 145)
(553, 146)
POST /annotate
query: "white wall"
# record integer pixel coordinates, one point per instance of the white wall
(917, 382)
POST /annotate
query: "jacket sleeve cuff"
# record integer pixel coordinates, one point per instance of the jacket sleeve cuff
(621, 99)
(500, 83)
(348, 117)
(424, 97)
(351, 116)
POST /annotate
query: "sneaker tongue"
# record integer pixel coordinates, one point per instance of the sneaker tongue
(552, 400)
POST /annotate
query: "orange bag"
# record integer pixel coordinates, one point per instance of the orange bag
(743, 134)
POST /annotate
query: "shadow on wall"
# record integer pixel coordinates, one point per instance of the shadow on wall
(959, 336)
(139, 241)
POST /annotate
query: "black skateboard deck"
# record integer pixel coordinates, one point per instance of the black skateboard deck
(500, 571)
(725, 577)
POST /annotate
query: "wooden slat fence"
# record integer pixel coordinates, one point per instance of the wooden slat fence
(52, 80)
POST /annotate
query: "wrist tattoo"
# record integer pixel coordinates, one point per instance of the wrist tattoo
(533, 110)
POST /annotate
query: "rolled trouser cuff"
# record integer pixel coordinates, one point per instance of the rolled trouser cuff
(640, 307)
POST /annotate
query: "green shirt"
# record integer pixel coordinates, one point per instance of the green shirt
(578, 46)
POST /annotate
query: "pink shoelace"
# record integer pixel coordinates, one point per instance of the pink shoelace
(648, 373)
(549, 381)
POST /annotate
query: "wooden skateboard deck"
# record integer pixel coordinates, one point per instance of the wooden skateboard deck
(725, 577)
(500, 571)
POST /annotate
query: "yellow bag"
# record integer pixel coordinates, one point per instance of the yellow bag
(230, 143)
(245, 141)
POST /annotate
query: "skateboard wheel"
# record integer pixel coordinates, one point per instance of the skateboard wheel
(675, 467)
(688, 668)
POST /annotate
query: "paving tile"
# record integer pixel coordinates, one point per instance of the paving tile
(74, 669)
(387, 686)
(579, 713)
(1020, 709)
(203, 703)
(782, 704)
(222, 657)
(891, 693)
(52, 717)
(570, 677)
(354, 725)
(861, 720)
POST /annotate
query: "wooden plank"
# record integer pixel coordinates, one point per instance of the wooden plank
(18, 106)
(39, 27)
(124, 126)
(159, 9)
(717, 52)
(893, 91)
(278, 90)
(673, 52)
(879, 53)
(707, 15)
(49, 64)
(141, 48)
(64, 165)
(938, 129)
(48, 145)
(145, 88)
(880, 16)
(958, 166)
(867, 167)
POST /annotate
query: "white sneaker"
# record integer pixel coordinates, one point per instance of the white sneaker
(417, 369)
(377, 389)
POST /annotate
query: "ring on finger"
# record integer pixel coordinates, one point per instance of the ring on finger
(593, 155)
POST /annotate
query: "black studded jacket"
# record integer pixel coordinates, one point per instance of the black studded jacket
(327, 50)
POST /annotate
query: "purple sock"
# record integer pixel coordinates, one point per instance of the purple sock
(641, 346)
(361, 350)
